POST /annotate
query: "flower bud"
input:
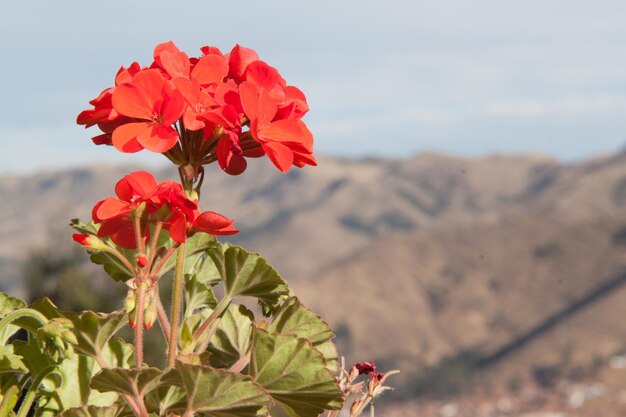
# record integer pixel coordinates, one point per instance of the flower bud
(57, 338)
(90, 242)
(142, 261)
(150, 308)
(131, 301)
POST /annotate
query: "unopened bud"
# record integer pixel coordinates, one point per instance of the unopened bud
(142, 261)
(150, 308)
(131, 300)
(90, 242)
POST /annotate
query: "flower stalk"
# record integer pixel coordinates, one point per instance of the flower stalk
(177, 295)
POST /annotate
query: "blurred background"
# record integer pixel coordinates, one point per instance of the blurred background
(466, 223)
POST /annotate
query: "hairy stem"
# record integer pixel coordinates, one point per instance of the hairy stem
(153, 243)
(240, 364)
(163, 321)
(22, 312)
(177, 291)
(219, 310)
(141, 295)
(168, 254)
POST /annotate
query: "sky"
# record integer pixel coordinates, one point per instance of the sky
(386, 79)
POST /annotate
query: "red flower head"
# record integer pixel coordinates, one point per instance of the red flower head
(139, 195)
(115, 214)
(198, 110)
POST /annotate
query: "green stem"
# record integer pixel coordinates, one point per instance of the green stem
(9, 399)
(32, 390)
(219, 310)
(22, 312)
(165, 325)
(141, 295)
(177, 292)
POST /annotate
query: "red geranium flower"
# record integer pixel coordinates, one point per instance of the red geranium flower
(153, 100)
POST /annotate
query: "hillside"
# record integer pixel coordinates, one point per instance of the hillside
(518, 259)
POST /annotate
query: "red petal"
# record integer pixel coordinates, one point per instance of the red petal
(158, 138)
(139, 183)
(178, 227)
(110, 208)
(172, 108)
(125, 137)
(176, 64)
(130, 101)
(121, 232)
(263, 75)
(210, 69)
(239, 59)
(249, 94)
(104, 139)
(283, 131)
(280, 155)
(214, 223)
(151, 83)
(168, 46)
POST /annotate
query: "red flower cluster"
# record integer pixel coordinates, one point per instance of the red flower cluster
(139, 196)
(196, 110)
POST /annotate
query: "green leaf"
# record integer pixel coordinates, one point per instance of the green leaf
(294, 373)
(93, 331)
(9, 304)
(9, 361)
(196, 244)
(127, 381)
(294, 318)
(248, 274)
(92, 411)
(197, 295)
(9, 394)
(111, 264)
(232, 337)
(220, 393)
(201, 266)
(59, 393)
(165, 396)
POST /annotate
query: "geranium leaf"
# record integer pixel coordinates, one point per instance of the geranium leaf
(110, 263)
(93, 331)
(9, 304)
(194, 245)
(202, 268)
(294, 318)
(220, 393)
(92, 411)
(11, 362)
(67, 386)
(127, 381)
(197, 295)
(294, 373)
(248, 274)
(232, 337)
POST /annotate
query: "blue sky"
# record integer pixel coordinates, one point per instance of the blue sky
(382, 78)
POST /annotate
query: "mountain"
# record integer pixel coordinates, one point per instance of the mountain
(518, 259)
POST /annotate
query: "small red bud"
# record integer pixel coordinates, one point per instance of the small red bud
(142, 261)
(131, 322)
